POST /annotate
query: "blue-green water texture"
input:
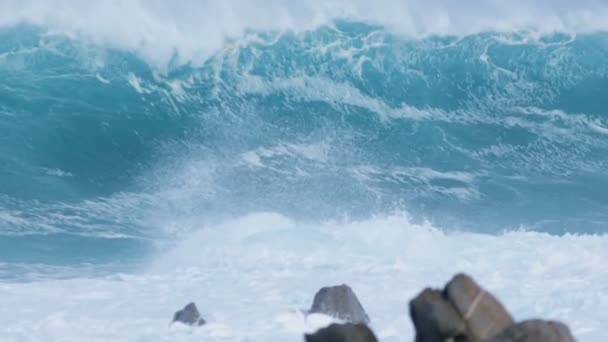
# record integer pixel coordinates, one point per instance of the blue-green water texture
(106, 158)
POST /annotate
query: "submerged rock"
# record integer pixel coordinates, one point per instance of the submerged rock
(535, 331)
(342, 333)
(435, 318)
(340, 302)
(481, 311)
(188, 315)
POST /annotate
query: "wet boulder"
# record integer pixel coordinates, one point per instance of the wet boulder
(482, 313)
(464, 311)
(189, 315)
(535, 331)
(435, 318)
(342, 333)
(339, 302)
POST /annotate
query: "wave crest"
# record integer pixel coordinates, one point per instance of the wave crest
(195, 29)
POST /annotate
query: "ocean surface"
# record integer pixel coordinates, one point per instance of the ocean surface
(244, 154)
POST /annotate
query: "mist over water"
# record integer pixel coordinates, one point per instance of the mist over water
(288, 141)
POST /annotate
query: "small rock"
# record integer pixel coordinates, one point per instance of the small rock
(340, 302)
(535, 331)
(435, 318)
(482, 312)
(342, 333)
(189, 315)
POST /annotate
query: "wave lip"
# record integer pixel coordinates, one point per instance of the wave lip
(194, 30)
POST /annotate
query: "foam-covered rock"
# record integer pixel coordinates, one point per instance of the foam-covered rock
(535, 331)
(339, 302)
(188, 315)
(435, 318)
(342, 333)
(482, 313)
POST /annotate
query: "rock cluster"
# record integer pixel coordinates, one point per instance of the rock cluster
(463, 311)
(460, 312)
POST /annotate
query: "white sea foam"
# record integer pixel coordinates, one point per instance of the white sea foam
(58, 173)
(160, 28)
(135, 82)
(251, 278)
(310, 152)
(102, 79)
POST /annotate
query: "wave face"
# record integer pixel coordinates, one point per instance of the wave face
(222, 143)
(488, 132)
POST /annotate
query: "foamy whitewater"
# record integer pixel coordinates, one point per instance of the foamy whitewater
(243, 154)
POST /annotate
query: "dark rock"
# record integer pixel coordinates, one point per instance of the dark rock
(535, 331)
(340, 302)
(189, 315)
(482, 312)
(342, 333)
(435, 318)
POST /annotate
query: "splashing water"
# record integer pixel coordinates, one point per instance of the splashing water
(243, 156)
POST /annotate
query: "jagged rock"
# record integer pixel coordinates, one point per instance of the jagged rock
(342, 333)
(482, 312)
(189, 315)
(535, 331)
(435, 318)
(340, 302)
